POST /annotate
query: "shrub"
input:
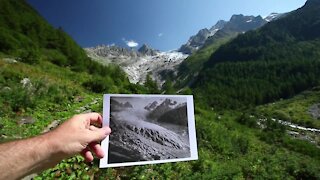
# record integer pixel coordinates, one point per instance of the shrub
(57, 95)
(99, 84)
(151, 85)
(17, 98)
(282, 115)
(273, 131)
(56, 57)
(302, 147)
(240, 144)
(30, 56)
(7, 41)
(247, 120)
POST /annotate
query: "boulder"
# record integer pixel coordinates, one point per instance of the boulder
(25, 120)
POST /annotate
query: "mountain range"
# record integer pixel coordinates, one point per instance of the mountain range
(160, 65)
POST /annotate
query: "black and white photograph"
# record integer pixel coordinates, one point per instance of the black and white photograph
(148, 129)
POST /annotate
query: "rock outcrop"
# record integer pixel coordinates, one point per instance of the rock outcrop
(148, 51)
(164, 107)
(176, 116)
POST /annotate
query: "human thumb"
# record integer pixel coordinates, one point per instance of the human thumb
(98, 134)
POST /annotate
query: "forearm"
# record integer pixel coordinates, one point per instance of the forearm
(23, 157)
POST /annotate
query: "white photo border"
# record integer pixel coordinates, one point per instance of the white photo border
(191, 129)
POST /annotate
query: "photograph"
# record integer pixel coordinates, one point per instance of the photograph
(148, 129)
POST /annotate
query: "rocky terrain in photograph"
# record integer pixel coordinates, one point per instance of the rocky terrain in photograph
(155, 110)
(176, 116)
(135, 138)
(168, 112)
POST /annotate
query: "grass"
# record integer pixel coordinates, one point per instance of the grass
(47, 108)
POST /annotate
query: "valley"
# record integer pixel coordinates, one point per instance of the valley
(255, 82)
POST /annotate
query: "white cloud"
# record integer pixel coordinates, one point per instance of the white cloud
(130, 43)
(160, 34)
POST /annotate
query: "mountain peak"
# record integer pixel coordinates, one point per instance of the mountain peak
(144, 46)
(311, 3)
(239, 18)
(197, 41)
(219, 25)
(273, 16)
(147, 50)
(236, 16)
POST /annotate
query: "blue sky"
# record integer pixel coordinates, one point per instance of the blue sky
(162, 24)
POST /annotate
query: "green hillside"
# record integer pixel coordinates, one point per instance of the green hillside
(27, 37)
(45, 78)
(279, 60)
(191, 66)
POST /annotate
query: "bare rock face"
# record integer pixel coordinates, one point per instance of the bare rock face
(151, 106)
(177, 116)
(314, 111)
(117, 106)
(164, 107)
(113, 51)
(147, 50)
(197, 41)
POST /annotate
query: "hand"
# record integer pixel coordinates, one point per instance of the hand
(79, 135)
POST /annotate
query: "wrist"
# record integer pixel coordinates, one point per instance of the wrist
(54, 146)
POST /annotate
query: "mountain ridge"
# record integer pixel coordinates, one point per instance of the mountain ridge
(238, 23)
